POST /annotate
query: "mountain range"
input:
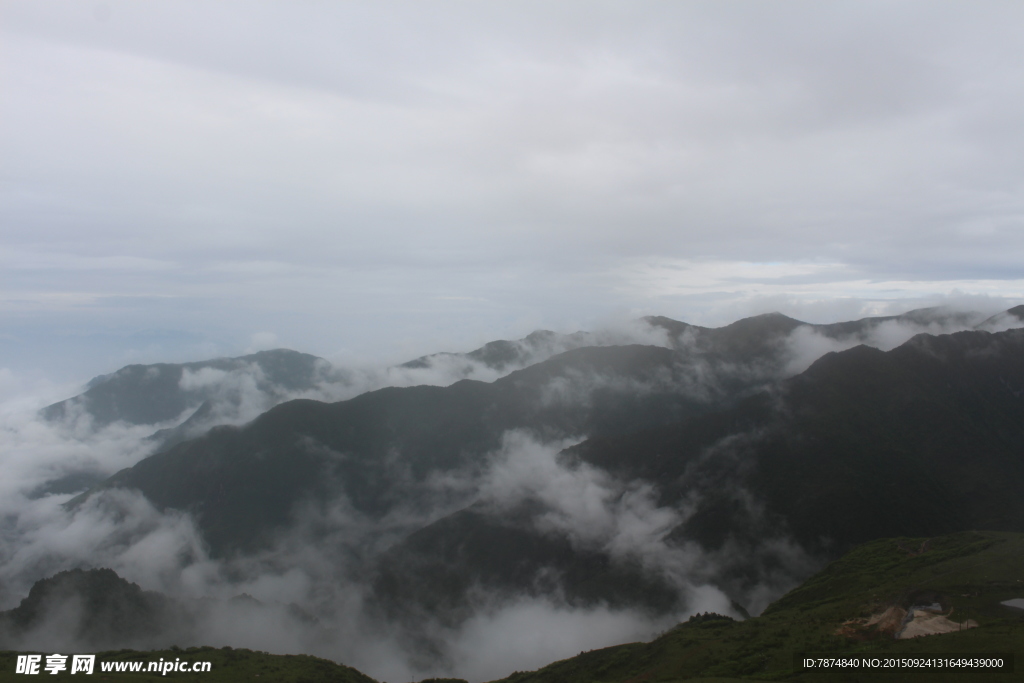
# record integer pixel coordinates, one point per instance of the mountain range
(198, 394)
(635, 469)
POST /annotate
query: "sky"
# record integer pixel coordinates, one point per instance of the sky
(373, 181)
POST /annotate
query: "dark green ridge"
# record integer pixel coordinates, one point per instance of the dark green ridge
(243, 482)
(228, 665)
(113, 612)
(926, 439)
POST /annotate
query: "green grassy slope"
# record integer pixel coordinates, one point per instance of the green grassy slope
(969, 574)
(227, 665)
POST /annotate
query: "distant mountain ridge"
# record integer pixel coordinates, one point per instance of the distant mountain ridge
(501, 354)
(206, 390)
(151, 394)
(759, 334)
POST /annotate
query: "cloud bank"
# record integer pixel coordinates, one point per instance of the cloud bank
(364, 182)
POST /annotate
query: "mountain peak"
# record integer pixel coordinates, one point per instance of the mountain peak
(767, 319)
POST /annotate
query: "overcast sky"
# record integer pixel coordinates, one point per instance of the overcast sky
(377, 180)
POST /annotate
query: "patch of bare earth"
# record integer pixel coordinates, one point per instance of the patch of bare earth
(925, 622)
(896, 622)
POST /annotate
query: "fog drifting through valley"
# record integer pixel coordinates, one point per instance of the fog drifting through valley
(311, 593)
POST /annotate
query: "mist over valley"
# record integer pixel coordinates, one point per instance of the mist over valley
(431, 518)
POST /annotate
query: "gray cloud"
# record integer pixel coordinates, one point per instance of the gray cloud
(363, 179)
